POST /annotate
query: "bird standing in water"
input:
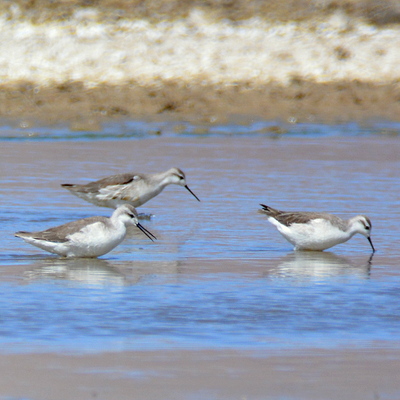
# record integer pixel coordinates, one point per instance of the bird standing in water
(315, 230)
(134, 189)
(87, 237)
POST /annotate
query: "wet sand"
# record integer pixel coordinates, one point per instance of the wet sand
(311, 374)
(82, 108)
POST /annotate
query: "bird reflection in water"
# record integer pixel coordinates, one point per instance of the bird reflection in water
(319, 265)
(91, 271)
(100, 272)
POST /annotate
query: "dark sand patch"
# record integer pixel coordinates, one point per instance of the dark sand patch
(302, 101)
(379, 12)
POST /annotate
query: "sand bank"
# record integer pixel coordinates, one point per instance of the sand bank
(87, 69)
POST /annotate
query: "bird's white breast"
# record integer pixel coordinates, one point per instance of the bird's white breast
(317, 234)
(95, 239)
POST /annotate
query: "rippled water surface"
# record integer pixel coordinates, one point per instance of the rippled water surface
(219, 275)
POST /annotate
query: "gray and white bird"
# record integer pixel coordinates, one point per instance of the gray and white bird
(129, 188)
(316, 230)
(87, 237)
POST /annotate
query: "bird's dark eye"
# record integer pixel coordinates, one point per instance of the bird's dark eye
(367, 228)
(131, 215)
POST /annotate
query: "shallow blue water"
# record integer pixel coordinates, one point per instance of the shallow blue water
(223, 313)
(219, 276)
(139, 130)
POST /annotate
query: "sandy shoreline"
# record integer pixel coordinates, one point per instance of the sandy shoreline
(81, 108)
(182, 374)
(89, 68)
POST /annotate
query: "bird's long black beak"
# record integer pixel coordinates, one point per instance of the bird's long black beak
(187, 187)
(146, 232)
(370, 242)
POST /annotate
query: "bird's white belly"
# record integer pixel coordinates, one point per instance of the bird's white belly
(114, 196)
(52, 247)
(94, 241)
(315, 235)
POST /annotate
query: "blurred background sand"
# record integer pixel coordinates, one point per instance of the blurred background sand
(86, 62)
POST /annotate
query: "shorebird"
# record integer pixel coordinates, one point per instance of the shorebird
(134, 189)
(87, 237)
(316, 230)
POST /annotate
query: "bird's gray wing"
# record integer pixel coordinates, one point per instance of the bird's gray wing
(96, 186)
(60, 233)
(288, 218)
